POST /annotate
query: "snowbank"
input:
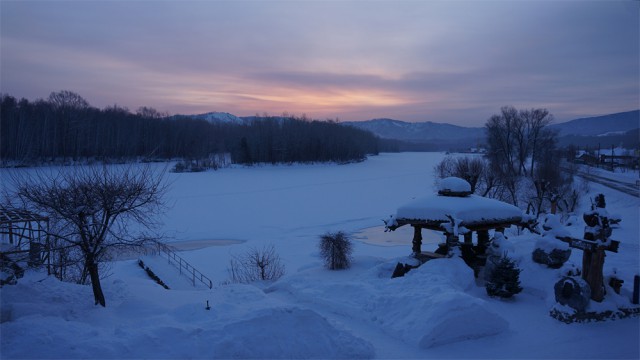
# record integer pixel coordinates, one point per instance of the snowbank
(44, 313)
(429, 306)
(288, 333)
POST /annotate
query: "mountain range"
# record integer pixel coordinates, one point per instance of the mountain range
(613, 129)
(619, 129)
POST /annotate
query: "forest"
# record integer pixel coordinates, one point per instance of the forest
(64, 128)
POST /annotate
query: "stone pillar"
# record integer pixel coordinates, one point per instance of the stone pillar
(417, 240)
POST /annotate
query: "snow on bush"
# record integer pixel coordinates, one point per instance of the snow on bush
(504, 278)
(553, 226)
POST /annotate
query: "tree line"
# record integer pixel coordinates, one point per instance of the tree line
(65, 128)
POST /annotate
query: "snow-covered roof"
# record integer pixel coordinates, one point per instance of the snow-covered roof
(469, 211)
(454, 186)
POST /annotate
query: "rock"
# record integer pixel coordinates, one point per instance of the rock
(573, 292)
(400, 270)
(551, 252)
(554, 259)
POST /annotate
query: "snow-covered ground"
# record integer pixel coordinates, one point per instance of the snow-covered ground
(436, 311)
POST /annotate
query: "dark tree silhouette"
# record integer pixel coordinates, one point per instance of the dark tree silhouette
(66, 128)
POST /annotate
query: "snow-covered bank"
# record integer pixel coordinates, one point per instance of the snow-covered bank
(436, 311)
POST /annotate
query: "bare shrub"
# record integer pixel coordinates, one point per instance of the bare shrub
(336, 249)
(256, 264)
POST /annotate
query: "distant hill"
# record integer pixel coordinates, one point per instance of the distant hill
(624, 139)
(618, 129)
(418, 131)
(613, 124)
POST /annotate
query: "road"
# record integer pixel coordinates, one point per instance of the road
(626, 187)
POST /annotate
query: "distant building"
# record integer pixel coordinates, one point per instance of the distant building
(587, 159)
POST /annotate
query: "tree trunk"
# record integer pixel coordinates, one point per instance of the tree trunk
(95, 282)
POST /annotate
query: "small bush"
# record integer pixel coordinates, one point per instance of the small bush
(256, 264)
(336, 249)
(504, 279)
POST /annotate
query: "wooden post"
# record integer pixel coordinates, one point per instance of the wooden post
(468, 238)
(483, 241)
(592, 272)
(417, 240)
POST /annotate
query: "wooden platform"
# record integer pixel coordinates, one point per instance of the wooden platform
(425, 256)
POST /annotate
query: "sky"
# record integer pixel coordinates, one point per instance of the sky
(456, 61)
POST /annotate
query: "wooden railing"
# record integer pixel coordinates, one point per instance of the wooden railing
(184, 267)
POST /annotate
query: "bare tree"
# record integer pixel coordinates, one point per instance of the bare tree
(537, 121)
(473, 169)
(256, 264)
(515, 138)
(91, 208)
(67, 99)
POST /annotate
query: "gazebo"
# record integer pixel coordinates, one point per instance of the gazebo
(23, 239)
(455, 211)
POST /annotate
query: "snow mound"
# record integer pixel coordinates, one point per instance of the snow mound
(430, 308)
(289, 333)
(462, 321)
(454, 184)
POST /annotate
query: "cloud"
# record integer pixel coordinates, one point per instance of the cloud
(441, 61)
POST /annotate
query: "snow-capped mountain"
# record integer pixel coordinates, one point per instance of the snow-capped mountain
(215, 116)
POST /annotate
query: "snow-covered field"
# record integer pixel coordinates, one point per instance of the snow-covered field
(436, 311)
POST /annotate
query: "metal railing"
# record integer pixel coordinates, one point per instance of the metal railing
(184, 267)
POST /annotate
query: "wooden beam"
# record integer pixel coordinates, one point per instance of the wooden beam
(591, 245)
